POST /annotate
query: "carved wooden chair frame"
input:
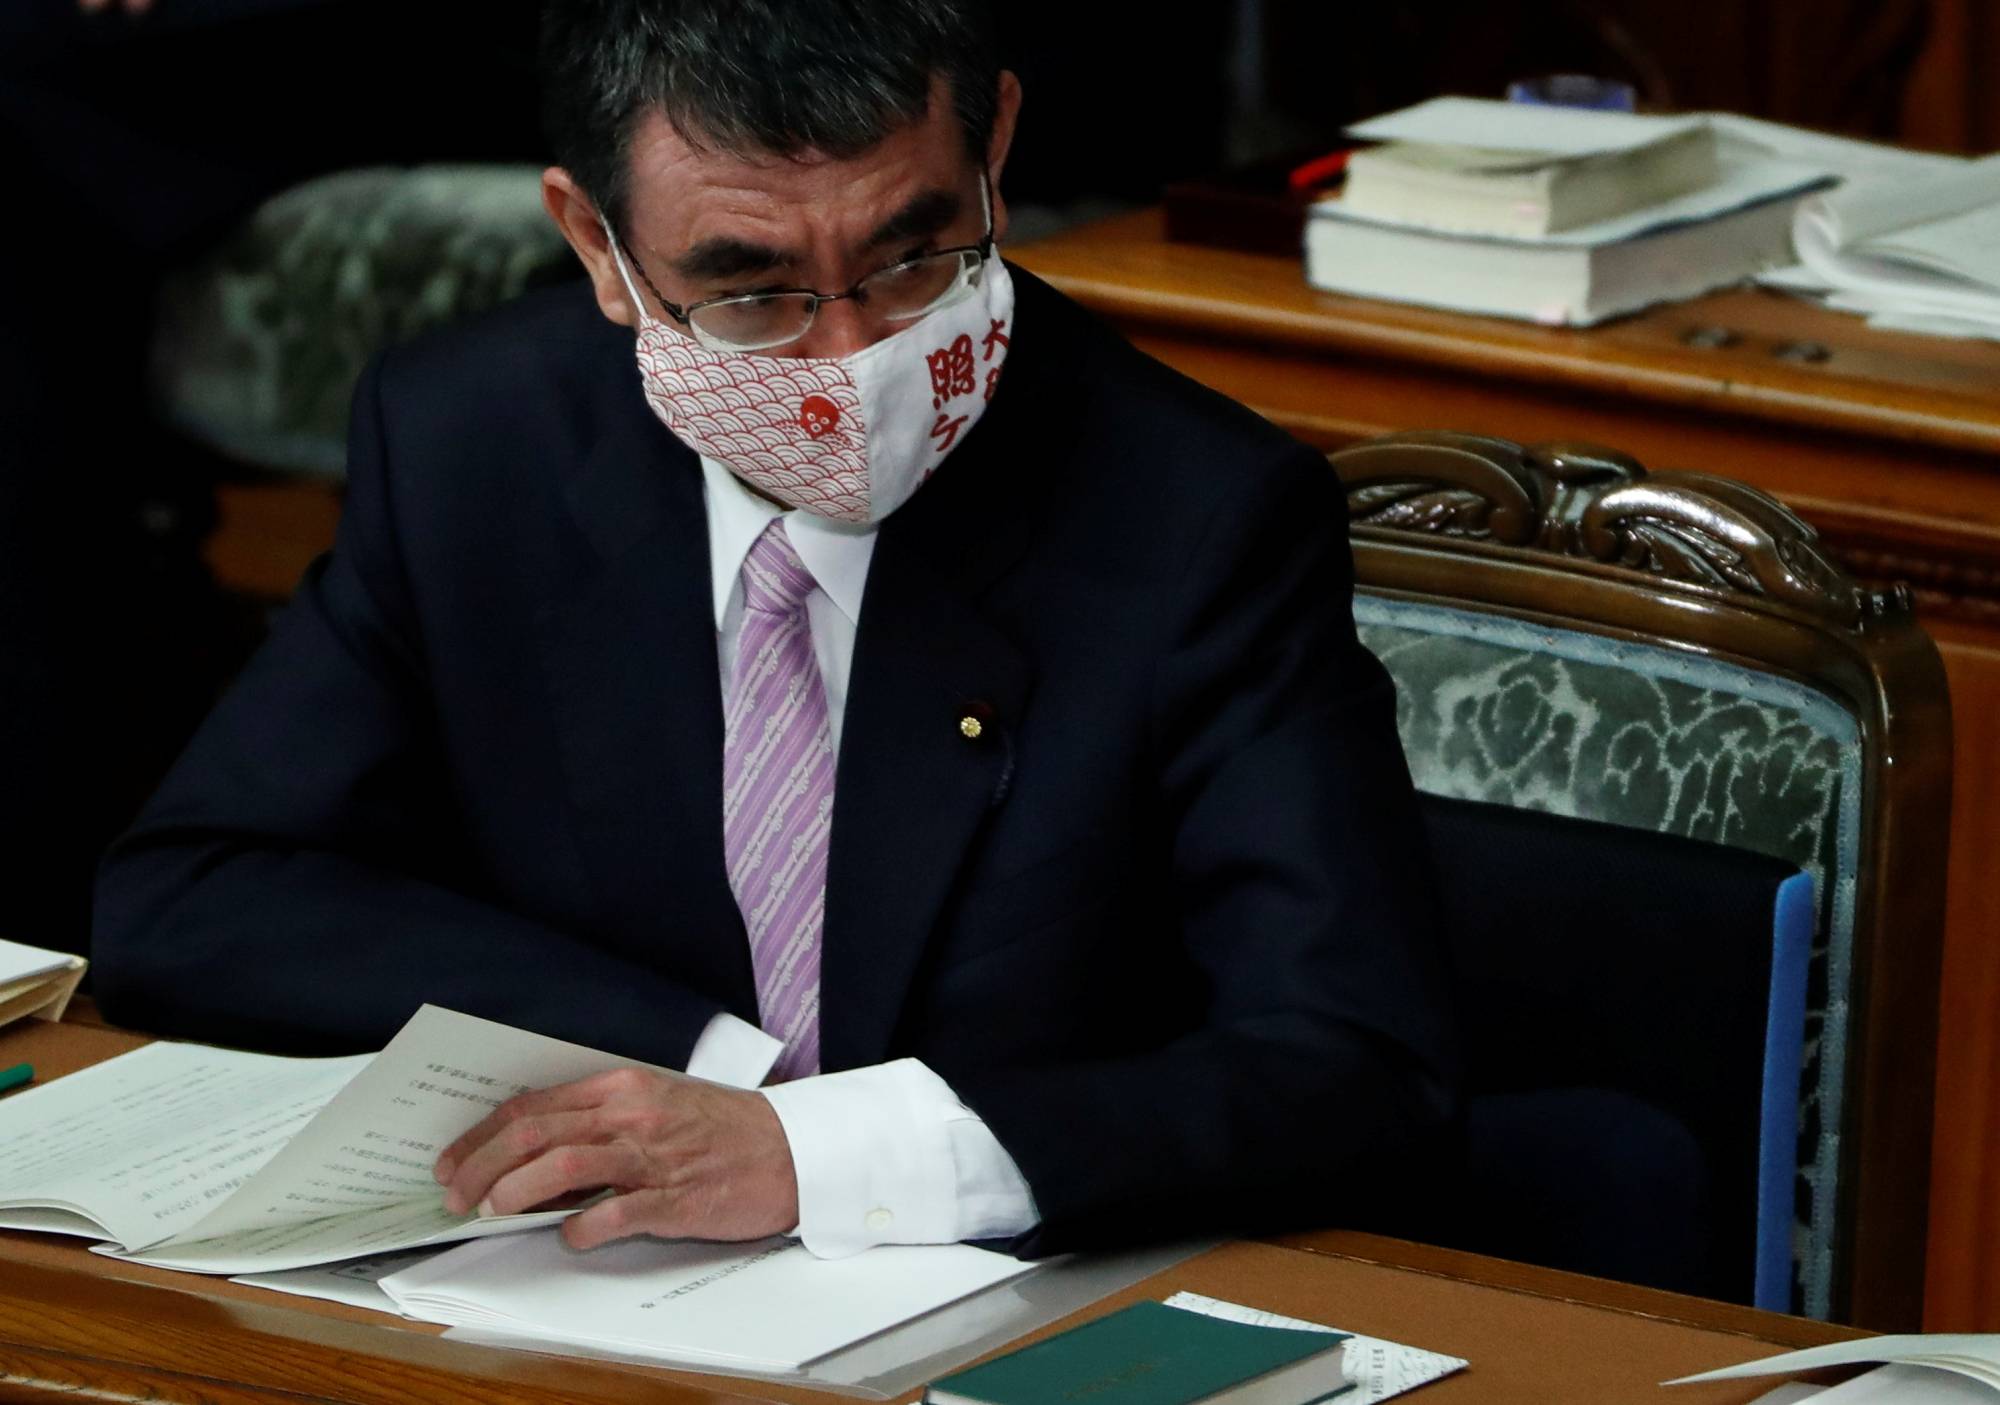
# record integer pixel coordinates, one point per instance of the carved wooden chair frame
(1585, 538)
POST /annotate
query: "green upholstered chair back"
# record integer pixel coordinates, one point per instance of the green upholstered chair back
(260, 343)
(1675, 653)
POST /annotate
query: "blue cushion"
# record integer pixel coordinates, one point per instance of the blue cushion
(1784, 1055)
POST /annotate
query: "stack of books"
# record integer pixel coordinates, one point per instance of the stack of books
(1555, 215)
(1154, 1354)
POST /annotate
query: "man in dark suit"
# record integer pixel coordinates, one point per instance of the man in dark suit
(1108, 923)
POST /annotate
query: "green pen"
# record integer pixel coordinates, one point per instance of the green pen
(12, 1078)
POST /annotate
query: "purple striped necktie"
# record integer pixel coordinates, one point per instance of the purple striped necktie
(777, 796)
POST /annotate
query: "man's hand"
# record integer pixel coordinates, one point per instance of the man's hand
(689, 1159)
(131, 7)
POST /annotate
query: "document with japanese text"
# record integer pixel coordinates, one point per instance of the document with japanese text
(218, 1162)
(763, 1306)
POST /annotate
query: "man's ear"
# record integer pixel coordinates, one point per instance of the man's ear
(576, 216)
(1006, 110)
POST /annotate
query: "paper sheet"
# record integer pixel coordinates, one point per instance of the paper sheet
(1961, 245)
(1874, 179)
(1975, 1356)
(1379, 1369)
(1893, 316)
(1519, 126)
(769, 1305)
(222, 1162)
(45, 1221)
(1904, 1385)
(1930, 246)
(146, 1143)
(901, 1360)
(356, 1179)
(20, 963)
(352, 1281)
(1864, 211)
(1959, 328)
(1855, 162)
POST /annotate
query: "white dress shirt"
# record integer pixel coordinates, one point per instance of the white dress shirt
(885, 1154)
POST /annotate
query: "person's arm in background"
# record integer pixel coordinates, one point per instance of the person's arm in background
(294, 883)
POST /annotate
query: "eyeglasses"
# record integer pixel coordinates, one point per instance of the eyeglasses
(902, 292)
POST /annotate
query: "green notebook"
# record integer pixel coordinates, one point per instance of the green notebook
(1152, 1354)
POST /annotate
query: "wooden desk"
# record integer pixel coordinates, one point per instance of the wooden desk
(1889, 444)
(74, 1325)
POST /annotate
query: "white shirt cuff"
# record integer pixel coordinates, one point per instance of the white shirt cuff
(888, 1155)
(734, 1052)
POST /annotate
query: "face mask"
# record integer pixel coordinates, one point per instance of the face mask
(849, 438)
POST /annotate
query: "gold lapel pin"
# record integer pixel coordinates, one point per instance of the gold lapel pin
(973, 719)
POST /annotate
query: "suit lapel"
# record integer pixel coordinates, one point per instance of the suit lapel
(631, 662)
(913, 791)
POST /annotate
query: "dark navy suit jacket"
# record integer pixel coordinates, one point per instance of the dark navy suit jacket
(1163, 924)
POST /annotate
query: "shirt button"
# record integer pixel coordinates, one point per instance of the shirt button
(879, 1218)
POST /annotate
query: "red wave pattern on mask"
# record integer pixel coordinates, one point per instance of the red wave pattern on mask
(745, 411)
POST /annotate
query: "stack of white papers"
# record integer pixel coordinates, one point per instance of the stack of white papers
(1910, 240)
(355, 1282)
(1918, 255)
(1934, 1369)
(767, 1307)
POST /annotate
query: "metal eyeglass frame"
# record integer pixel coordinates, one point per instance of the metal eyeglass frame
(685, 315)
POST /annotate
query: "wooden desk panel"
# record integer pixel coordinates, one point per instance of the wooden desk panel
(74, 1325)
(1890, 445)
(68, 1329)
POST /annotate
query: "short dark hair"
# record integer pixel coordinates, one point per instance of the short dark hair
(776, 76)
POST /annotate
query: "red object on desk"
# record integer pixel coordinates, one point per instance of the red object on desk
(1318, 172)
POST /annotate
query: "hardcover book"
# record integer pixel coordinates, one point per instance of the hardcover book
(1152, 1354)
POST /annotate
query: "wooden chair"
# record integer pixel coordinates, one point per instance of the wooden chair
(1675, 652)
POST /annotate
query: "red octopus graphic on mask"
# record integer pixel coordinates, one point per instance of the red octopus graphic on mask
(818, 416)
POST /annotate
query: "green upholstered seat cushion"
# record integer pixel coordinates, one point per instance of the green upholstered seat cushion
(1497, 709)
(259, 345)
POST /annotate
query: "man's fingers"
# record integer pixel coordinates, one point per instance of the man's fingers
(557, 1173)
(635, 1212)
(564, 1097)
(517, 1142)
